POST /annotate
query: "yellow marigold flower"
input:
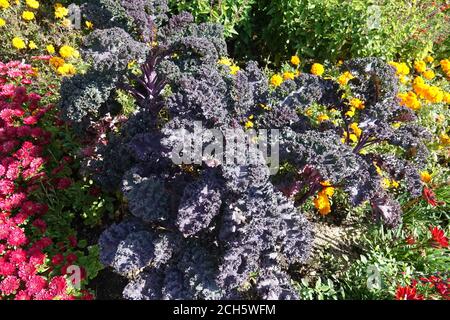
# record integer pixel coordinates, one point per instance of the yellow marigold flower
(328, 190)
(35, 72)
(418, 80)
(322, 117)
(444, 139)
(18, 43)
(288, 75)
(263, 106)
(4, 4)
(89, 25)
(68, 52)
(401, 68)
(340, 62)
(322, 203)
(66, 69)
(2, 22)
(60, 11)
(429, 74)
(357, 103)
(344, 78)
(50, 49)
(131, 64)
(27, 15)
(276, 80)
(350, 113)
(420, 66)
(379, 171)
(56, 62)
(33, 4)
(429, 59)
(434, 94)
(234, 69)
(446, 97)
(356, 130)
(295, 60)
(32, 45)
(425, 176)
(317, 69)
(249, 124)
(352, 137)
(395, 184)
(386, 183)
(410, 100)
(225, 61)
(445, 65)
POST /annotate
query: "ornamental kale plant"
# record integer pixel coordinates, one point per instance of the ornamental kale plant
(213, 229)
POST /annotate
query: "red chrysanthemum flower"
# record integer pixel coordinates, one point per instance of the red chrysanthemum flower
(6, 268)
(17, 256)
(58, 285)
(407, 293)
(35, 285)
(430, 197)
(438, 237)
(17, 238)
(9, 285)
(26, 271)
(410, 240)
(22, 295)
(57, 259)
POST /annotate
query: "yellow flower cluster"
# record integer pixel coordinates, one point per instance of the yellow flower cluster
(295, 60)
(322, 117)
(355, 104)
(423, 90)
(401, 68)
(425, 177)
(445, 66)
(317, 69)
(290, 74)
(60, 11)
(355, 133)
(2, 22)
(276, 80)
(28, 15)
(444, 139)
(4, 4)
(18, 43)
(227, 62)
(389, 183)
(386, 182)
(344, 78)
(410, 100)
(249, 123)
(33, 4)
(67, 52)
(420, 66)
(59, 64)
(322, 201)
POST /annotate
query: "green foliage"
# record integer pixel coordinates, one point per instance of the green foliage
(386, 260)
(335, 29)
(229, 13)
